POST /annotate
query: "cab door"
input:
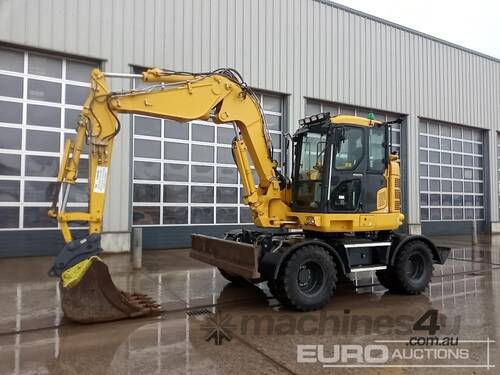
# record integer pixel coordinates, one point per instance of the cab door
(348, 168)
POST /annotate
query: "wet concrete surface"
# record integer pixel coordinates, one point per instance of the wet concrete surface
(256, 334)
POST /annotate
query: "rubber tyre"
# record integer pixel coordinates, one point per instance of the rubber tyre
(307, 280)
(412, 269)
(235, 279)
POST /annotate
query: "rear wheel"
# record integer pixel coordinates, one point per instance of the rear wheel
(307, 279)
(412, 269)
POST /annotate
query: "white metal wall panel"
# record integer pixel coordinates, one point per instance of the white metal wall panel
(305, 48)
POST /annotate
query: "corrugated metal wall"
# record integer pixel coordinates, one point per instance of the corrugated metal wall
(305, 48)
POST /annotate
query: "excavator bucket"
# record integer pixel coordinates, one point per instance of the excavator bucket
(88, 294)
(95, 298)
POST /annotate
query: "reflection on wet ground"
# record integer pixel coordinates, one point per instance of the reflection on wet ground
(256, 334)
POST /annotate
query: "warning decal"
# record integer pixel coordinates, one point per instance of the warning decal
(101, 176)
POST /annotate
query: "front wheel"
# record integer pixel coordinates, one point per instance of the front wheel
(412, 269)
(307, 279)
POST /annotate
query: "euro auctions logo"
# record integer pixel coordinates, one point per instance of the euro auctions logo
(375, 354)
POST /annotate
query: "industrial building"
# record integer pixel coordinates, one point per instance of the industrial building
(302, 57)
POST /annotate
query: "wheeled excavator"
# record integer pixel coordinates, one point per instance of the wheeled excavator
(338, 213)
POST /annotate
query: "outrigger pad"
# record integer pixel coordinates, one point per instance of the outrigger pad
(96, 299)
(74, 252)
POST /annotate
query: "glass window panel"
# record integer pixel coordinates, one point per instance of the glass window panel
(312, 108)
(276, 139)
(72, 136)
(44, 91)
(224, 155)
(478, 148)
(478, 174)
(396, 137)
(226, 175)
(146, 215)
(10, 138)
(457, 173)
(83, 169)
(423, 140)
(446, 172)
(277, 157)
(423, 184)
(468, 147)
(273, 122)
(202, 133)
(175, 172)
(201, 173)
(433, 128)
(43, 115)
(202, 215)
(11, 86)
(202, 153)
(175, 193)
(458, 200)
(175, 215)
(36, 217)
(144, 170)
(478, 161)
(272, 103)
(147, 149)
(445, 130)
(79, 71)
(468, 174)
(447, 214)
(423, 155)
(76, 95)
(71, 118)
(227, 214)
(39, 191)
(424, 199)
(478, 200)
(177, 130)
(458, 186)
(445, 158)
(245, 215)
(457, 159)
(227, 195)
(202, 194)
(458, 213)
(176, 151)
(422, 126)
(433, 171)
(456, 132)
(457, 146)
(478, 187)
(11, 112)
(42, 166)
(147, 126)
(434, 143)
(424, 170)
(468, 161)
(469, 213)
(225, 135)
(477, 135)
(347, 111)
(467, 133)
(434, 156)
(42, 141)
(9, 191)
(146, 193)
(79, 193)
(435, 213)
(424, 213)
(479, 213)
(333, 109)
(11, 60)
(10, 165)
(446, 186)
(44, 66)
(9, 216)
(468, 200)
(434, 185)
(435, 200)
(446, 200)
(445, 144)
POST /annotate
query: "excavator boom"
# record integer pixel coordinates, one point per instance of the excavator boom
(221, 96)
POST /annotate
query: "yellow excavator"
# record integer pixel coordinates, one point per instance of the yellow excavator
(338, 214)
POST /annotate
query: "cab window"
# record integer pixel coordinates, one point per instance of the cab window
(349, 148)
(377, 149)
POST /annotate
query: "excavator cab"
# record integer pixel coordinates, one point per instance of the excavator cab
(339, 163)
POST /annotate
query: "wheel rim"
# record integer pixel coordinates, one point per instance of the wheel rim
(415, 267)
(310, 277)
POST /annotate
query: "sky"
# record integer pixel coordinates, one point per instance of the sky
(472, 24)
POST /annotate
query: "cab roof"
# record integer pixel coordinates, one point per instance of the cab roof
(354, 120)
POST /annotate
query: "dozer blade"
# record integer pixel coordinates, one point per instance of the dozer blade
(95, 298)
